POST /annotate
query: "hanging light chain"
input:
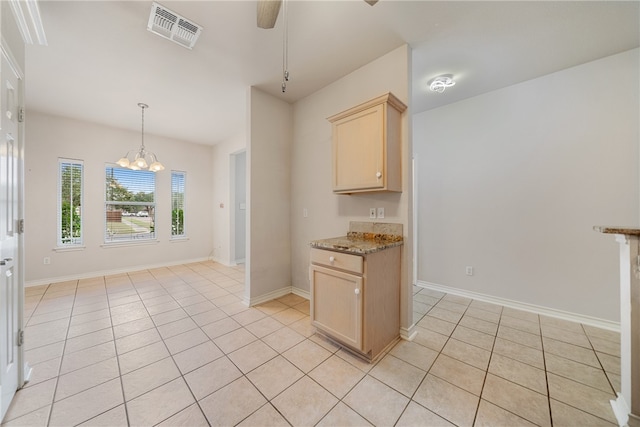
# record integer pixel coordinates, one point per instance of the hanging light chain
(143, 106)
(285, 46)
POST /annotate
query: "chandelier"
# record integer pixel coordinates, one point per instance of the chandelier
(141, 159)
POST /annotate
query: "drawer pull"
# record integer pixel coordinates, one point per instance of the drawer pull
(332, 259)
(357, 291)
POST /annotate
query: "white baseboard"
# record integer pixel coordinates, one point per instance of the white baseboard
(277, 294)
(408, 333)
(546, 311)
(620, 410)
(301, 293)
(224, 262)
(269, 296)
(92, 274)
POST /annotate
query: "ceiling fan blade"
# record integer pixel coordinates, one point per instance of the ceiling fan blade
(371, 2)
(268, 13)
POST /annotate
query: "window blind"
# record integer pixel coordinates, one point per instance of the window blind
(70, 177)
(130, 205)
(177, 203)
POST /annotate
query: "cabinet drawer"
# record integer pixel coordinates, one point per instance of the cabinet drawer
(347, 262)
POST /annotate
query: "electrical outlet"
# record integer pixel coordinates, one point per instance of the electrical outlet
(469, 271)
(380, 212)
(46, 260)
(305, 213)
(372, 213)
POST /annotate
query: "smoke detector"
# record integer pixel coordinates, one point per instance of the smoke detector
(172, 26)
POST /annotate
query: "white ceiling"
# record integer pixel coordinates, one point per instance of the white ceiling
(101, 60)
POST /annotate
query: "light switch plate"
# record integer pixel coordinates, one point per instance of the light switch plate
(372, 213)
(380, 212)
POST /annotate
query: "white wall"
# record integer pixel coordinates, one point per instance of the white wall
(222, 187)
(49, 137)
(269, 196)
(511, 182)
(329, 214)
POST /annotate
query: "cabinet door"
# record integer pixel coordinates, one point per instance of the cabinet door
(358, 151)
(336, 304)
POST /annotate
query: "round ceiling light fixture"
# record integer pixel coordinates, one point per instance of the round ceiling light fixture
(440, 83)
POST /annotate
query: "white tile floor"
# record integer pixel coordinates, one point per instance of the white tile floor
(176, 347)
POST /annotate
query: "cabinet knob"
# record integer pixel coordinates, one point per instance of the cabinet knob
(379, 175)
(357, 291)
(332, 259)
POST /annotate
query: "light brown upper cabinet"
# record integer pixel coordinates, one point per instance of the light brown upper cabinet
(367, 146)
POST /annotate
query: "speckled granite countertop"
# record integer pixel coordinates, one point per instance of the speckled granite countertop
(364, 238)
(617, 230)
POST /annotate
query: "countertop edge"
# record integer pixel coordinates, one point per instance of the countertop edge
(632, 231)
(380, 246)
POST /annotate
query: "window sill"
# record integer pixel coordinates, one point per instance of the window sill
(129, 243)
(69, 248)
(178, 239)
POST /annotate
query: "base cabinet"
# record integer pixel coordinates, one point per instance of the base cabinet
(355, 300)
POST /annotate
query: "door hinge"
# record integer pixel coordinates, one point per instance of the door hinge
(20, 114)
(20, 226)
(20, 337)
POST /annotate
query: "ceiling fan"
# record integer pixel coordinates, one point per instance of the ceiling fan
(268, 12)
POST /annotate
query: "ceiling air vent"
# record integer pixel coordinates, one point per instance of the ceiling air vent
(172, 26)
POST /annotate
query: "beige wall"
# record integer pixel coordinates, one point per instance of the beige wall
(329, 214)
(49, 137)
(269, 197)
(512, 182)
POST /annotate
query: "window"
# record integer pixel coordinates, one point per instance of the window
(130, 205)
(177, 204)
(70, 202)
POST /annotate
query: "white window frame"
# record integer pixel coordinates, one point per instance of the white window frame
(132, 238)
(72, 242)
(180, 204)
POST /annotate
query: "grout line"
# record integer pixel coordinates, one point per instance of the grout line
(187, 284)
(546, 374)
(182, 375)
(115, 348)
(411, 399)
(486, 373)
(62, 357)
(162, 339)
(599, 361)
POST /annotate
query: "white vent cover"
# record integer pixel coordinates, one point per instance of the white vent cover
(172, 26)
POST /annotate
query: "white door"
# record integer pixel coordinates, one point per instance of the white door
(9, 203)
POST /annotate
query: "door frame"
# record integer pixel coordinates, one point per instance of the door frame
(24, 371)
